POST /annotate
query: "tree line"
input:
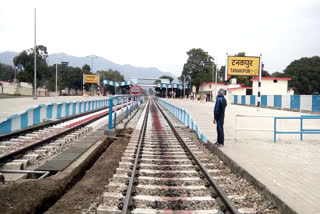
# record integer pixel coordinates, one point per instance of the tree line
(304, 72)
(68, 77)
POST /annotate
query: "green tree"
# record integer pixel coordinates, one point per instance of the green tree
(198, 68)
(25, 64)
(86, 69)
(305, 75)
(6, 72)
(277, 74)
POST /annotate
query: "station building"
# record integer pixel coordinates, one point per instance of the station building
(207, 89)
(271, 86)
(20, 88)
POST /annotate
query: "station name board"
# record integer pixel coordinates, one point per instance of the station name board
(244, 66)
(89, 78)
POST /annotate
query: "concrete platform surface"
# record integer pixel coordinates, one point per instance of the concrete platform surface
(11, 106)
(289, 168)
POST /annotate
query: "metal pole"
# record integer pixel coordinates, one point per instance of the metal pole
(216, 81)
(115, 87)
(212, 92)
(259, 83)
(184, 87)
(226, 73)
(35, 55)
(56, 79)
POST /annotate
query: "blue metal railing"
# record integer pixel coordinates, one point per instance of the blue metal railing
(114, 101)
(302, 130)
(185, 117)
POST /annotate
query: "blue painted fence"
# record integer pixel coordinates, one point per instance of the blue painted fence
(132, 102)
(302, 130)
(184, 116)
(42, 112)
(310, 103)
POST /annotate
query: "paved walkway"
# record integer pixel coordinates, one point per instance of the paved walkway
(289, 168)
(13, 106)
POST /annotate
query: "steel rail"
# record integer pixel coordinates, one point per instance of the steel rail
(21, 151)
(127, 204)
(226, 205)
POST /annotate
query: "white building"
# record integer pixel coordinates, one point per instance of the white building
(271, 86)
(20, 88)
(210, 88)
(239, 91)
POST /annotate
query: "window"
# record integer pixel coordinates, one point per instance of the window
(275, 81)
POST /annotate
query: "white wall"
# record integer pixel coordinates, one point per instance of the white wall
(240, 91)
(268, 87)
(21, 88)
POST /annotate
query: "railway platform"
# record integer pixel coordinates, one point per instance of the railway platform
(11, 106)
(289, 168)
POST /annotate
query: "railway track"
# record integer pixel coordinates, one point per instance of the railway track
(28, 149)
(164, 171)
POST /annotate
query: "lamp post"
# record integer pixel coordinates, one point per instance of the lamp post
(92, 58)
(56, 79)
(35, 55)
(215, 82)
(184, 87)
(115, 86)
(63, 63)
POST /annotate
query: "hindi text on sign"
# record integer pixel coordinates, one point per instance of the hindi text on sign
(91, 78)
(247, 66)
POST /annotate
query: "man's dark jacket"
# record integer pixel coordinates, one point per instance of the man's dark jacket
(219, 108)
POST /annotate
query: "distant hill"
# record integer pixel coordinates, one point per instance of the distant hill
(99, 63)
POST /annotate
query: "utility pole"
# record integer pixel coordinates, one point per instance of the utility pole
(215, 84)
(92, 58)
(35, 55)
(56, 79)
(184, 86)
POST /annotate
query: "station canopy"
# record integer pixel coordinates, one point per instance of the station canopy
(148, 82)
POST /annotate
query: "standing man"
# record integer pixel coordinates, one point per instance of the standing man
(218, 113)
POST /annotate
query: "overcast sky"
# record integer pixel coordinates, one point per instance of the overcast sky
(159, 33)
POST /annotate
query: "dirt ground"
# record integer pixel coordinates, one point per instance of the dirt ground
(34, 196)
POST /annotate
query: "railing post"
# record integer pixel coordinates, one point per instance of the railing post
(127, 99)
(188, 119)
(115, 112)
(122, 98)
(275, 130)
(301, 128)
(110, 112)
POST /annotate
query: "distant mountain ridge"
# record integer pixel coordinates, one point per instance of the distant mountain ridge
(97, 63)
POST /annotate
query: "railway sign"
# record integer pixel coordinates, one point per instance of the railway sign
(243, 65)
(135, 89)
(89, 78)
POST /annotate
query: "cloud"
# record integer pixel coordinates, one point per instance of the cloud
(159, 33)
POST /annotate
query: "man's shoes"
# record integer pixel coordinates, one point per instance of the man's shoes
(218, 144)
